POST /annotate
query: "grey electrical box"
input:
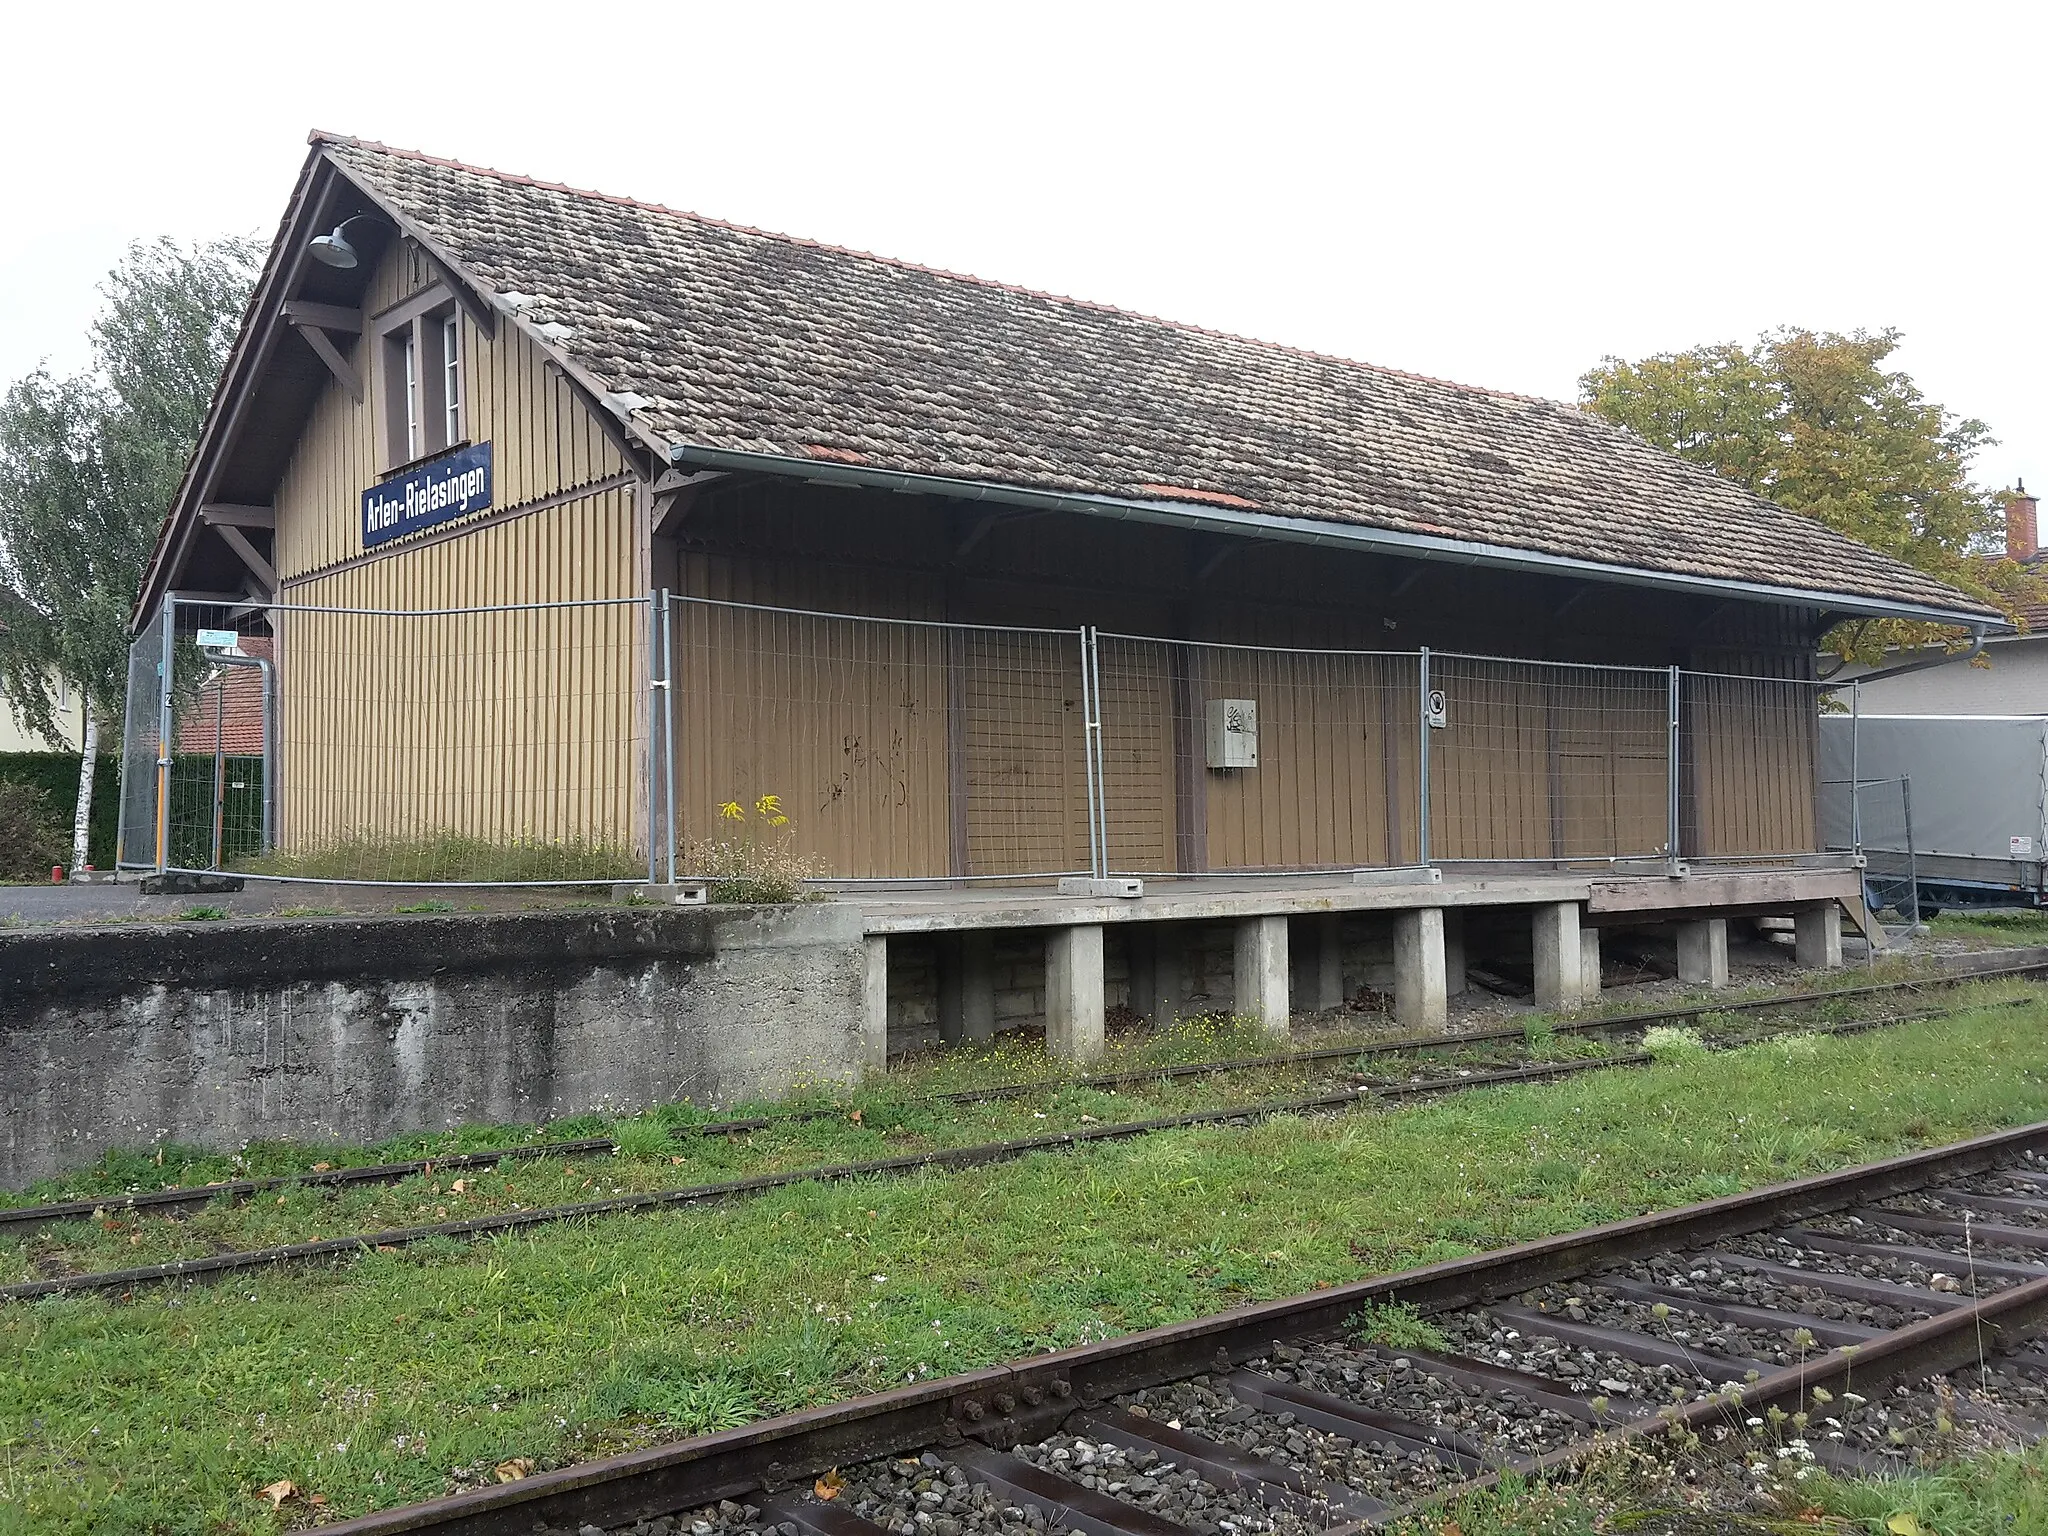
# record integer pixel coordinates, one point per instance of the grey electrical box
(1233, 733)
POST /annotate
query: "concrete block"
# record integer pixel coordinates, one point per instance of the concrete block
(358, 1029)
(1589, 964)
(1330, 961)
(1260, 972)
(1554, 931)
(874, 1014)
(1073, 992)
(1703, 952)
(1817, 936)
(1419, 998)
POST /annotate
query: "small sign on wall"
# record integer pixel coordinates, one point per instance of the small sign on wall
(457, 484)
(2023, 847)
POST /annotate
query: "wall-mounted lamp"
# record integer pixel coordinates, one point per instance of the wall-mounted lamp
(334, 249)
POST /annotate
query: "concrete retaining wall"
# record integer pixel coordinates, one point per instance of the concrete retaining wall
(359, 1028)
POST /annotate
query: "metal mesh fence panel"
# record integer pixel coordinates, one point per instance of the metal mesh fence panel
(1548, 762)
(894, 749)
(1333, 785)
(141, 743)
(496, 746)
(1747, 756)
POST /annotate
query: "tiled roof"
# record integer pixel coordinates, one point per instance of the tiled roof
(737, 339)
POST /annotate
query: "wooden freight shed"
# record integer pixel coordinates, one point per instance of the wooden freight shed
(575, 520)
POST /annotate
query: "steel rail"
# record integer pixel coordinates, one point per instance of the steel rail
(1004, 1405)
(27, 1218)
(977, 1155)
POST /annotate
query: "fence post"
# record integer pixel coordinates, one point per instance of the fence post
(166, 663)
(1856, 769)
(1098, 855)
(668, 736)
(1422, 768)
(1912, 861)
(653, 730)
(1671, 807)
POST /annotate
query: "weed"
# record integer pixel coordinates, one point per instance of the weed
(643, 1138)
(755, 862)
(307, 912)
(427, 906)
(202, 915)
(1669, 1044)
(1540, 1035)
(1395, 1324)
(442, 856)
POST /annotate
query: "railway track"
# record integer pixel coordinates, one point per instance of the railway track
(387, 1240)
(1848, 1321)
(21, 1220)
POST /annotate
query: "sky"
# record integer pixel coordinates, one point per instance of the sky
(1499, 195)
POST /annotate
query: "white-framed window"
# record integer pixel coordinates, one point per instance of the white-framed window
(451, 377)
(422, 388)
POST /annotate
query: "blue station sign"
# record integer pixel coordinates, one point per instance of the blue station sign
(457, 484)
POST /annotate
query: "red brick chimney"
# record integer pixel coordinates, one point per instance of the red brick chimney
(2022, 525)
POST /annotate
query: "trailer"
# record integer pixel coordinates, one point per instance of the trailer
(1953, 805)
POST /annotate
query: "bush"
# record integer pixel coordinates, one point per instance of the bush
(30, 839)
(56, 775)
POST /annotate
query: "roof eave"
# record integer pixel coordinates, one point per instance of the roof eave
(1329, 534)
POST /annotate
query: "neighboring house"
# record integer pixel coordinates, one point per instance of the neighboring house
(2015, 681)
(70, 713)
(226, 714)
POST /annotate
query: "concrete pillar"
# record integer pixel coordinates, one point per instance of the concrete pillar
(1454, 953)
(1169, 973)
(1817, 936)
(874, 1013)
(1330, 961)
(1589, 964)
(967, 985)
(1073, 992)
(1419, 998)
(1555, 928)
(1261, 973)
(1703, 952)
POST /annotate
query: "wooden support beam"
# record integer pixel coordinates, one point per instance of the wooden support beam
(473, 305)
(238, 541)
(1400, 588)
(1577, 595)
(326, 317)
(330, 354)
(216, 514)
(1224, 549)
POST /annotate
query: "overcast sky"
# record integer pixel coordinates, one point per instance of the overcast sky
(1497, 195)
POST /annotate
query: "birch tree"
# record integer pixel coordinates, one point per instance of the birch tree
(88, 467)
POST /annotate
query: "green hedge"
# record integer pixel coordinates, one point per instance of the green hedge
(56, 774)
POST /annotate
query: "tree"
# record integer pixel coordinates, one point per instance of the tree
(88, 468)
(1816, 423)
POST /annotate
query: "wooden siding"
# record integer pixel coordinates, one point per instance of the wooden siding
(1546, 763)
(543, 438)
(523, 726)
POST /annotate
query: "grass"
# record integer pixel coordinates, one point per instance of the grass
(1988, 1495)
(2012, 927)
(450, 856)
(369, 1383)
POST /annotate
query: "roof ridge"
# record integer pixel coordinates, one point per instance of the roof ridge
(321, 136)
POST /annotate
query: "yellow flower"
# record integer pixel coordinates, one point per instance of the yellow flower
(732, 811)
(778, 820)
(769, 805)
